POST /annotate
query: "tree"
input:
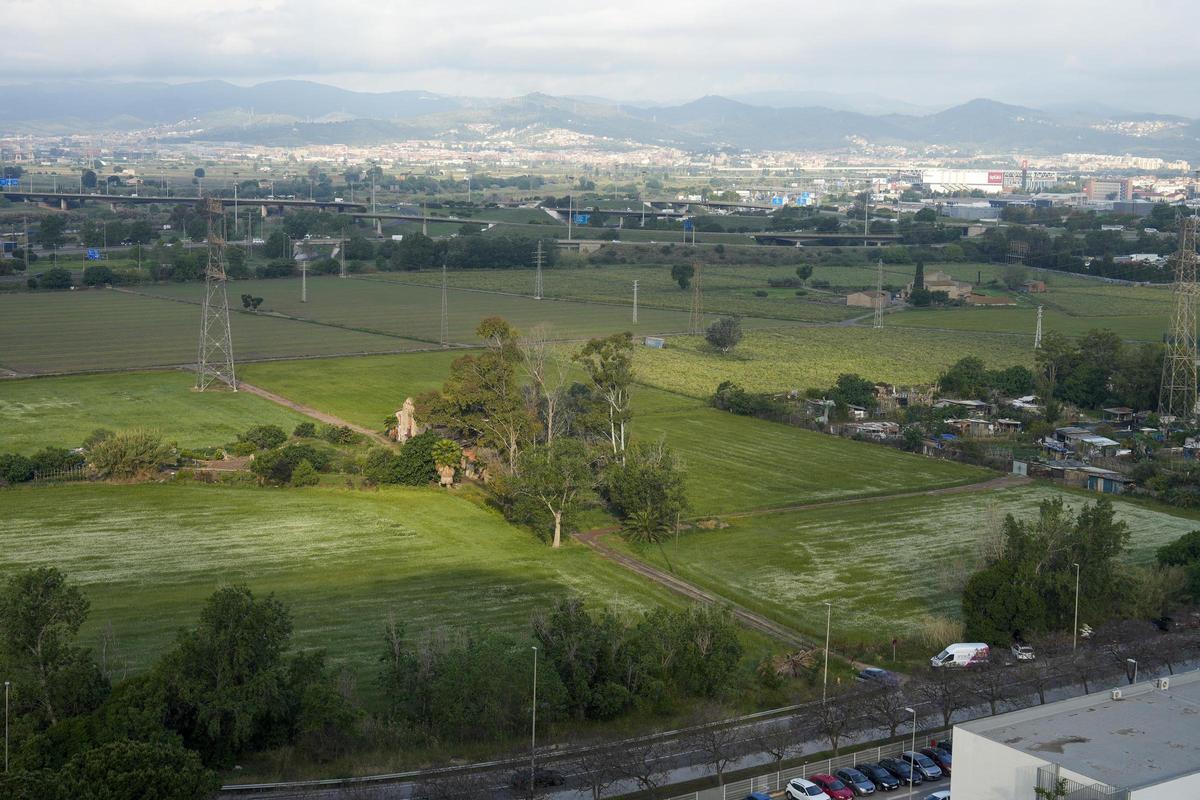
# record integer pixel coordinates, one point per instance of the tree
(547, 373)
(263, 437)
(780, 739)
(804, 272)
(251, 303)
(129, 454)
(56, 278)
(1055, 357)
(198, 172)
(597, 768)
(919, 277)
(945, 690)
(838, 718)
(649, 483)
(98, 275)
(225, 679)
(557, 476)
(304, 474)
(88, 179)
(608, 363)
(966, 378)
(683, 274)
(724, 334)
(40, 616)
(1014, 276)
(163, 771)
(717, 745)
(647, 766)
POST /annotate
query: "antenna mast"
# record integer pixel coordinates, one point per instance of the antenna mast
(214, 361)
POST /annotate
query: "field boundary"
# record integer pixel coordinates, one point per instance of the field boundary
(309, 411)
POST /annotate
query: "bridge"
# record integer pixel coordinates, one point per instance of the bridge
(799, 237)
(63, 199)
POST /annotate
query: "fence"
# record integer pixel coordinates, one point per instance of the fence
(775, 781)
(1048, 778)
(61, 475)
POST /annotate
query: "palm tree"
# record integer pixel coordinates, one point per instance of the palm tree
(645, 527)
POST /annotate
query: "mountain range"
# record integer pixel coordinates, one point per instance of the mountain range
(294, 113)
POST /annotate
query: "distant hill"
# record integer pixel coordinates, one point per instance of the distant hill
(292, 113)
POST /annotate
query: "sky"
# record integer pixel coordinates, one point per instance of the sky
(1130, 54)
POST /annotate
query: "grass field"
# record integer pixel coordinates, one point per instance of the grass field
(340, 560)
(885, 565)
(801, 358)
(1023, 321)
(102, 329)
(377, 305)
(727, 289)
(739, 463)
(60, 412)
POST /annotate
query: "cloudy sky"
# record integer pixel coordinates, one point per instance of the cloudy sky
(1137, 54)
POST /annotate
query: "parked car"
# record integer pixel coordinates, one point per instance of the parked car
(855, 780)
(924, 765)
(832, 786)
(902, 770)
(801, 789)
(944, 744)
(941, 794)
(883, 780)
(542, 778)
(878, 676)
(940, 757)
(1022, 652)
(962, 654)
(758, 796)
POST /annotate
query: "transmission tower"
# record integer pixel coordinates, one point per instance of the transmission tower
(537, 281)
(1037, 334)
(696, 322)
(342, 254)
(1177, 395)
(635, 283)
(879, 297)
(445, 333)
(215, 358)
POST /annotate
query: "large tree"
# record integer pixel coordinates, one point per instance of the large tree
(556, 477)
(608, 363)
(547, 374)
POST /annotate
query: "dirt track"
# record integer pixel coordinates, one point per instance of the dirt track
(309, 411)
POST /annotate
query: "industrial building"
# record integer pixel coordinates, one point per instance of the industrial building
(1121, 190)
(1138, 742)
(987, 181)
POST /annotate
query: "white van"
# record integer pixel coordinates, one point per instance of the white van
(961, 654)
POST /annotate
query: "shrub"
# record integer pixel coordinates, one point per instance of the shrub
(338, 434)
(55, 459)
(130, 454)
(96, 437)
(305, 430)
(761, 293)
(446, 453)
(304, 474)
(412, 466)
(15, 468)
(277, 466)
(56, 278)
(264, 437)
(97, 275)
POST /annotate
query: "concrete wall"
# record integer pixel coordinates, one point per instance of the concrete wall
(987, 770)
(1185, 788)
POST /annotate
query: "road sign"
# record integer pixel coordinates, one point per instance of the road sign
(776, 200)
(688, 225)
(93, 254)
(582, 219)
(10, 181)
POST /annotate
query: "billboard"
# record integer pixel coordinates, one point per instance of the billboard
(996, 176)
(582, 219)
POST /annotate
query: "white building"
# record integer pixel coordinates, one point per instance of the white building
(1141, 742)
(946, 181)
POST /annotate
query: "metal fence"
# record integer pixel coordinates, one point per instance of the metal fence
(774, 781)
(61, 475)
(1048, 778)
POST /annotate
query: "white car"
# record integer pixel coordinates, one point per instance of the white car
(1022, 652)
(800, 789)
(944, 794)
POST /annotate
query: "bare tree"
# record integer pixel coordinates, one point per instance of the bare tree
(1085, 667)
(993, 685)
(718, 746)
(112, 661)
(454, 786)
(780, 740)
(888, 710)
(1041, 674)
(945, 690)
(839, 718)
(598, 768)
(547, 374)
(647, 766)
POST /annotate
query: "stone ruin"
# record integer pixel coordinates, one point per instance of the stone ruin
(406, 422)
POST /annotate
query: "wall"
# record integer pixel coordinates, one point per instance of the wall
(1185, 788)
(987, 770)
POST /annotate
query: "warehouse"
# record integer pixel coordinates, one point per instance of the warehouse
(1134, 743)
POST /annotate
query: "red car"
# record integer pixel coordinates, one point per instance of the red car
(833, 786)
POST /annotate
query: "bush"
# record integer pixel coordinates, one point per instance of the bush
(55, 459)
(15, 468)
(56, 278)
(98, 275)
(305, 475)
(305, 430)
(761, 293)
(130, 454)
(277, 466)
(96, 437)
(414, 465)
(264, 437)
(338, 434)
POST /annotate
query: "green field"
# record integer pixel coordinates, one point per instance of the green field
(104, 329)
(1021, 322)
(148, 555)
(727, 289)
(60, 412)
(885, 564)
(740, 463)
(800, 358)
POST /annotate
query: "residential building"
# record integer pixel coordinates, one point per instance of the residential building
(938, 281)
(977, 407)
(868, 299)
(1120, 190)
(1033, 287)
(1139, 742)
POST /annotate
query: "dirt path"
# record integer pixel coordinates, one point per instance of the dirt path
(309, 411)
(751, 619)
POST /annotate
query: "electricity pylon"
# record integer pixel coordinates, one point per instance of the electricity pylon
(635, 283)
(214, 361)
(696, 321)
(1177, 395)
(1037, 334)
(879, 297)
(445, 333)
(537, 281)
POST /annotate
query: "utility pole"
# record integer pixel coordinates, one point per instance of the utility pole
(696, 321)
(28, 244)
(342, 253)
(866, 213)
(1037, 334)
(1075, 627)
(445, 332)
(879, 297)
(828, 620)
(304, 281)
(635, 283)
(570, 214)
(537, 283)
(533, 731)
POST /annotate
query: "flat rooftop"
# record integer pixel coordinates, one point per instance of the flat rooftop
(1149, 736)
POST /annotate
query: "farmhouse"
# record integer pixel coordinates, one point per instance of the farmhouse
(868, 299)
(938, 281)
(972, 406)
(1033, 287)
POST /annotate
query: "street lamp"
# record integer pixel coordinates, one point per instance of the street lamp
(7, 685)
(912, 767)
(533, 729)
(825, 680)
(1134, 662)
(1075, 627)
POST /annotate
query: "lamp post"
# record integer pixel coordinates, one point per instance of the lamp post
(912, 767)
(1075, 627)
(533, 730)
(7, 685)
(825, 680)
(1134, 662)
